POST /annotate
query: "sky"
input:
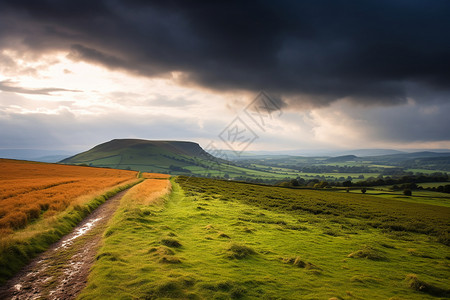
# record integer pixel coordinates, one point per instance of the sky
(237, 75)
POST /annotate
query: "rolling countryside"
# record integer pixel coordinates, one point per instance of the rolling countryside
(224, 150)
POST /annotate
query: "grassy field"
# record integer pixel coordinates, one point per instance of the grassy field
(433, 184)
(42, 202)
(418, 196)
(211, 239)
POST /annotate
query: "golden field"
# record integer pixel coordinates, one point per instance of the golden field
(30, 190)
(149, 190)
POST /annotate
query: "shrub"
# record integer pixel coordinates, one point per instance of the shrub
(407, 192)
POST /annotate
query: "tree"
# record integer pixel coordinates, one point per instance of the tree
(347, 183)
(407, 192)
(363, 190)
(321, 185)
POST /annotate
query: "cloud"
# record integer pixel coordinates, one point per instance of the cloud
(70, 132)
(8, 86)
(310, 53)
(360, 127)
(345, 73)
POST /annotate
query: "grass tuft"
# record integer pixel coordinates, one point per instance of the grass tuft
(365, 279)
(367, 252)
(295, 261)
(170, 289)
(110, 256)
(415, 252)
(249, 230)
(238, 292)
(224, 235)
(170, 242)
(209, 227)
(298, 262)
(161, 250)
(421, 286)
(169, 260)
(240, 251)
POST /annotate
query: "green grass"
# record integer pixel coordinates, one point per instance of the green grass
(425, 171)
(17, 250)
(215, 239)
(424, 197)
(334, 176)
(433, 184)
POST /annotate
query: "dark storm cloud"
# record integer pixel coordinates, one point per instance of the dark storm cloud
(9, 86)
(303, 51)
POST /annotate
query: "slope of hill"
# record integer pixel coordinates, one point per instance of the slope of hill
(143, 155)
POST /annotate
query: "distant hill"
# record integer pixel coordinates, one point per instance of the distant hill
(145, 155)
(368, 152)
(430, 163)
(342, 158)
(395, 158)
(308, 153)
(50, 156)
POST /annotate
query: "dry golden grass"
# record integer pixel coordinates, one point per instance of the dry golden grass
(148, 191)
(155, 175)
(29, 190)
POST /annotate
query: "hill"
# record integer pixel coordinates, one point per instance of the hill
(342, 158)
(170, 157)
(144, 155)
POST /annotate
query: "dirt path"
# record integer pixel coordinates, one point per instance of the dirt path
(61, 272)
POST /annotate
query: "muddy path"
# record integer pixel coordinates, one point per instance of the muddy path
(61, 272)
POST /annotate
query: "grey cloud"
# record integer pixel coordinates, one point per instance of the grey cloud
(403, 124)
(69, 132)
(8, 86)
(412, 124)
